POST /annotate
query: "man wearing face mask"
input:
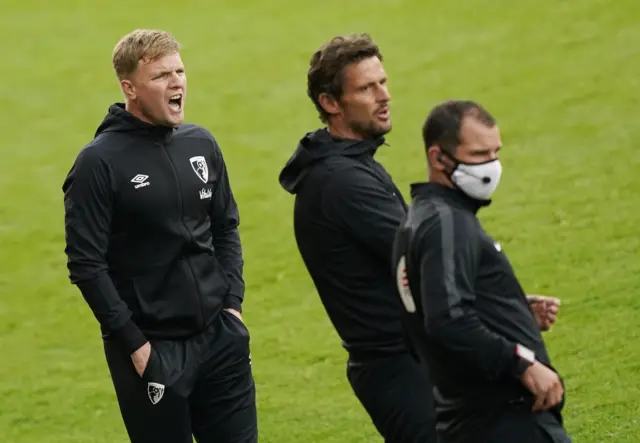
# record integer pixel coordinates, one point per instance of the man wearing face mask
(467, 315)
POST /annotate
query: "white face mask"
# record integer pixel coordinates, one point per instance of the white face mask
(478, 181)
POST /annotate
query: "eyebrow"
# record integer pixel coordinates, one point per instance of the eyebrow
(486, 150)
(168, 71)
(373, 82)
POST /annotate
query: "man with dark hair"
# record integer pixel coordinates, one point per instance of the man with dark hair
(470, 320)
(347, 211)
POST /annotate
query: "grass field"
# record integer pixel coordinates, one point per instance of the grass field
(560, 76)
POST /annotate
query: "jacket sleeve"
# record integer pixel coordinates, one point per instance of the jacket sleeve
(448, 250)
(87, 206)
(359, 203)
(225, 220)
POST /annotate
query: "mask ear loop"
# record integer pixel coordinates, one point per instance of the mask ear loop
(440, 158)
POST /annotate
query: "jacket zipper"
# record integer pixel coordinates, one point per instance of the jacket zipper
(184, 226)
(387, 182)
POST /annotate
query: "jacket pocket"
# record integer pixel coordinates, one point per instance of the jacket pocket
(213, 285)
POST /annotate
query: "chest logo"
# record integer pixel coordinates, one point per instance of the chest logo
(205, 193)
(498, 246)
(404, 290)
(140, 180)
(199, 165)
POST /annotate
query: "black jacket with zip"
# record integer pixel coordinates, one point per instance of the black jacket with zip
(466, 311)
(346, 212)
(151, 230)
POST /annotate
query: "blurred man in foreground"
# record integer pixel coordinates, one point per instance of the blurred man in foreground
(347, 211)
(153, 245)
(468, 317)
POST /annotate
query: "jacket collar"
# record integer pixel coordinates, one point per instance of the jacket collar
(427, 190)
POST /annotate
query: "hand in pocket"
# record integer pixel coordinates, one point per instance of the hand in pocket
(236, 313)
(141, 357)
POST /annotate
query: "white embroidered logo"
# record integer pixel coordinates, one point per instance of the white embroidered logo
(199, 165)
(498, 246)
(155, 392)
(205, 193)
(141, 181)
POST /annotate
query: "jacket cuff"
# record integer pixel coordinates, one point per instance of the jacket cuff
(130, 337)
(233, 302)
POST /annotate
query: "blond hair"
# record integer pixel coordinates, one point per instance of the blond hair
(141, 44)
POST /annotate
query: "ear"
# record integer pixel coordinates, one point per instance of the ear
(128, 89)
(329, 104)
(436, 158)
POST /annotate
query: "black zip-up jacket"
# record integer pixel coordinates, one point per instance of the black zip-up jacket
(465, 309)
(151, 230)
(346, 213)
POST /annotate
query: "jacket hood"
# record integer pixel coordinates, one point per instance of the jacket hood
(118, 119)
(319, 145)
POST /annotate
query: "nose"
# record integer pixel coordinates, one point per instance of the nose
(383, 93)
(177, 80)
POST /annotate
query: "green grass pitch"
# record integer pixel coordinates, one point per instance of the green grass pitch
(560, 76)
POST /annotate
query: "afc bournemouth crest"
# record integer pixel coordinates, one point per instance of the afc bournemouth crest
(199, 165)
(404, 290)
(155, 391)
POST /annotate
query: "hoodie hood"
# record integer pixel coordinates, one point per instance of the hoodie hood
(118, 119)
(319, 145)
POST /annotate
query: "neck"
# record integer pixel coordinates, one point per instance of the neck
(343, 132)
(439, 178)
(132, 109)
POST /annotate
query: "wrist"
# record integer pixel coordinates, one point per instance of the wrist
(524, 358)
(130, 337)
(233, 305)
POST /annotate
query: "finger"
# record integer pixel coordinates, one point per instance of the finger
(548, 402)
(553, 396)
(545, 299)
(538, 308)
(553, 309)
(551, 318)
(556, 396)
(539, 403)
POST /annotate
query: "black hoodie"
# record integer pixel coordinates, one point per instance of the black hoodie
(346, 213)
(151, 230)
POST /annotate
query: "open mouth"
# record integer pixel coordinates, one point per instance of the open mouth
(175, 102)
(383, 113)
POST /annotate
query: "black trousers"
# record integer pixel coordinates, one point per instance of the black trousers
(396, 393)
(201, 387)
(523, 426)
(510, 423)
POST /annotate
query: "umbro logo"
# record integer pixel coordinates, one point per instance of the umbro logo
(141, 181)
